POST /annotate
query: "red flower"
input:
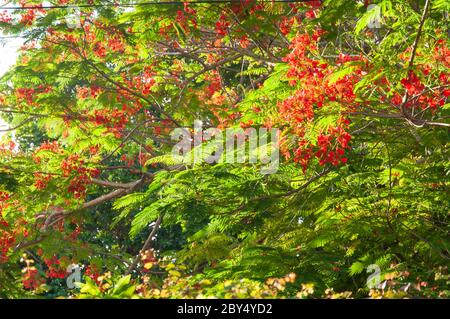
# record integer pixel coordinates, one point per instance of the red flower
(310, 14)
(222, 26)
(99, 50)
(412, 84)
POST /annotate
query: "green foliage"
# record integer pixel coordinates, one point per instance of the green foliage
(226, 229)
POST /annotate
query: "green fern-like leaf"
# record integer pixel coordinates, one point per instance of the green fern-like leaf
(167, 159)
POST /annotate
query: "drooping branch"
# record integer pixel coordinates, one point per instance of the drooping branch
(111, 184)
(56, 217)
(147, 244)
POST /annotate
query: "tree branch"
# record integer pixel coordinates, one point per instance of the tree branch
(146, 244)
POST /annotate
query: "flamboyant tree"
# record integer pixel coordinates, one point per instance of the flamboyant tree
(358, 89)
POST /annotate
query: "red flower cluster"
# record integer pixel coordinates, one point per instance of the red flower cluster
(244, 42)
(99, 49)
(85, 92)
(331, 146)
(116, 44)
(185, 16)
(238, 8)
(31, 279)
(222, 26)
(26, 95)
(412, 84)
(114, 120)
(417, 94)
(52, 147)
(144, 82)
(7, 147)
(92, 273)
(310, 14)
(80, 175)
(315, 91)
(75, 233)
(49, 146)
(442, 52)
(5, 17)
(211, 94)
(285, 24)
(54, 268)
(7, 239)
(215, 83)
(9, 233)
(41, 180)
(28, 17)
